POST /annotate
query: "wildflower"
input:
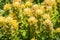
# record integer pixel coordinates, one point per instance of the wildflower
(50, 2)
(58, 30)
(32, 20)
(58, 1)
(47, 1)
(11, 22)
(14, 23)
(48, 22)
(8, 19)
(13, 15)
(35, 7)
(22, 6)
(33, 39)
(27, 12)
(2, 19)
(28, 4)
(7, 7)
(46, 16)
(16, 5)
(39, 11)
(42, 7)
(49, 7)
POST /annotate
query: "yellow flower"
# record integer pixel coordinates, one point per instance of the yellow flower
(27, 12)
(7, 7)
(8, 19)
(58, 1)
(33, 39)
(2, 19)
(58, 30)
(49, 7)
(22, 6)
(16, 5)
(32, 20)
(14, 23)
(47, 1)
(39, 11)
(46, 16)
(42, 7)
(13, 15)
(35, 7)
(28, 4)
(50, 2)
(11, 22)
(48, 22)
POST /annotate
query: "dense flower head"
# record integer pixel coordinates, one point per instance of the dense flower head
(48, 22)
(7, 6)
(42, 7)
(58, 30)
(50, 2)
(13, 15)
(14, 23)
(27, 12)
(58, 1)
(28, 4)
(39, 12)
(11, 22)
(8, 19)
(46, 16)
(48, 8)
(2, 20)
(22, 6)
(32, 20)
(35, 7)
(33, 39)
(16, 5)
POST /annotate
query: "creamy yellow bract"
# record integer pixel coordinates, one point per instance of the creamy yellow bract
(7, 7)
(16, 5)
(58, 30)
(28, 4)
(32, 20)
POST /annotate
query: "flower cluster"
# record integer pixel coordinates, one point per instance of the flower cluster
(58, 30)
(30, 21)
(7, 7)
